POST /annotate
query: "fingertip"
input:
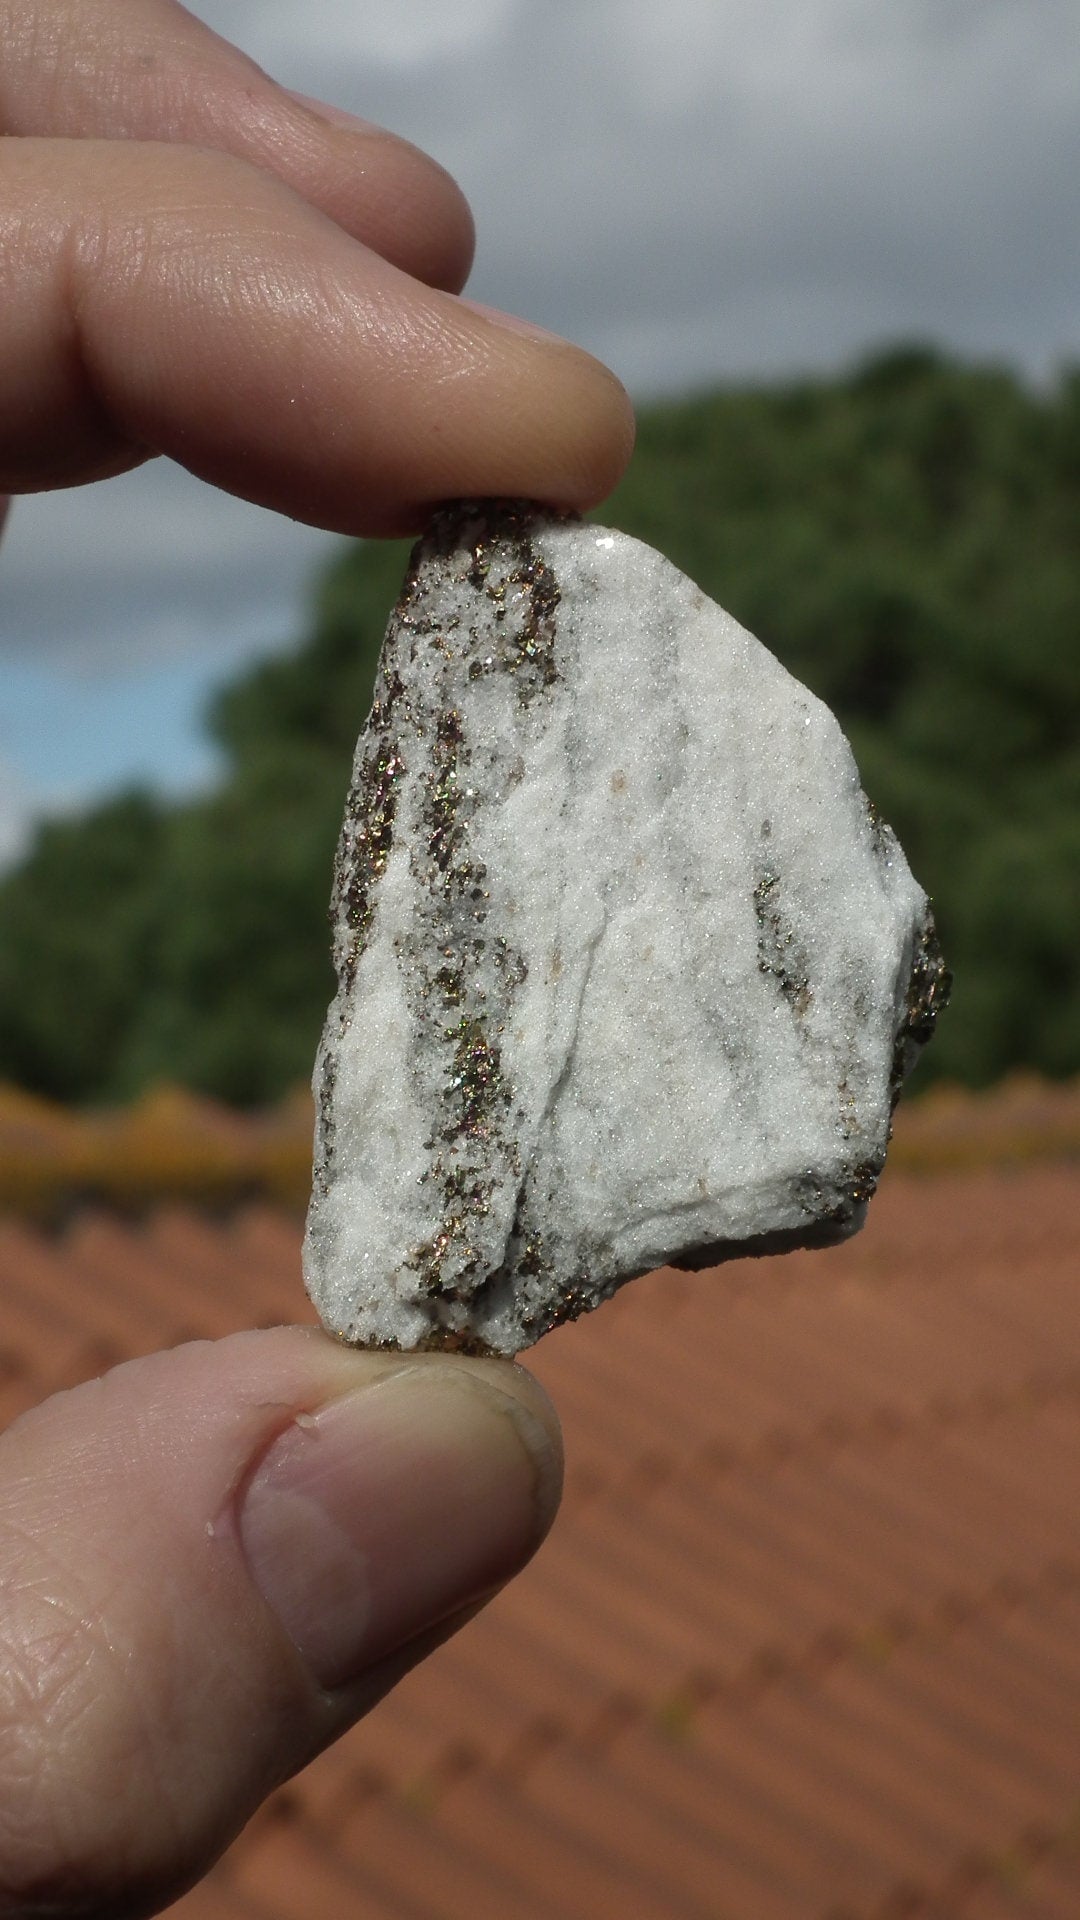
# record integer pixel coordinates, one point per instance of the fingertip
(394, 196)
(608, 443)
(558, 419)
(510, 1386)
(426, 202)
(250, 1540)
(308, 375)
(396, 1506)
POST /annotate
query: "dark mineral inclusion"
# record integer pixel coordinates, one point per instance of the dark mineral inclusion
(629, 969)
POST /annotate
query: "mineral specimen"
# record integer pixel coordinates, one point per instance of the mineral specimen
(629, 970)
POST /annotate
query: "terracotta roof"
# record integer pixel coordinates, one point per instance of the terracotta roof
(805, 1642)
(175, 1145)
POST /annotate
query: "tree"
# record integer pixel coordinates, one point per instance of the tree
(905, 539)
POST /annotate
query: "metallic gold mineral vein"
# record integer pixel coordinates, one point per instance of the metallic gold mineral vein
(482, 601)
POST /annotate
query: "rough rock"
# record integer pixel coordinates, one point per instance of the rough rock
(629, 969)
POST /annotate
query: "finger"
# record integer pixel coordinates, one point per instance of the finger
(161, 299)
(214, 1560)
(148, 70)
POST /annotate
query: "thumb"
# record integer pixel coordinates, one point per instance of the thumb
(212, 1561)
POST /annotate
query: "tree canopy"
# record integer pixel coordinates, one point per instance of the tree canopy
(906, 539)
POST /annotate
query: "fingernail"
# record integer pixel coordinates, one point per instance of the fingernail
(334, 116)
(511, 322)
(389, 1509)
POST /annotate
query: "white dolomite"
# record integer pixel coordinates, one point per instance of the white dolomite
(629, 971)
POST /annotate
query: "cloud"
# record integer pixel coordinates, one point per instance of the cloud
(742, 160)
(122, 606)
(695, 190)
(392, 33)
(148, 567)
(713, 187)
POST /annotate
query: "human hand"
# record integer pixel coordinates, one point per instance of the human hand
(213, 1560)
(195, 262)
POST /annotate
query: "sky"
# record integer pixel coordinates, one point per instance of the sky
(697, 190)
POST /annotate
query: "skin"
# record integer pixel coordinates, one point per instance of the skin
(194, 262)
(214, 1560)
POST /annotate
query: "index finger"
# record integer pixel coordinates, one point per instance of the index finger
(166, 299)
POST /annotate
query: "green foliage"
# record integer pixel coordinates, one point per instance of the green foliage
(78, 934)
(190, 943)
(906, 540)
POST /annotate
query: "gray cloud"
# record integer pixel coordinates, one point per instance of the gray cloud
(658, 180)
(149, 566)
(116, 603)
(695, 189)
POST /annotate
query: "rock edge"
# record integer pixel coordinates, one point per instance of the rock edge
(599, 850)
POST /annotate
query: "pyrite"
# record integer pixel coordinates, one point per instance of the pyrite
(629, 971)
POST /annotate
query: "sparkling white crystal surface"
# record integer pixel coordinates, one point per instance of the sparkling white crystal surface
(629, 971)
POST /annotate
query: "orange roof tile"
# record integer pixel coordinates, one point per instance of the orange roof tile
(805, 1643)
(172, 1144)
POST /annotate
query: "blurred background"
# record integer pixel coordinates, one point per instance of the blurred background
(803, 1645)
(830, 246)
